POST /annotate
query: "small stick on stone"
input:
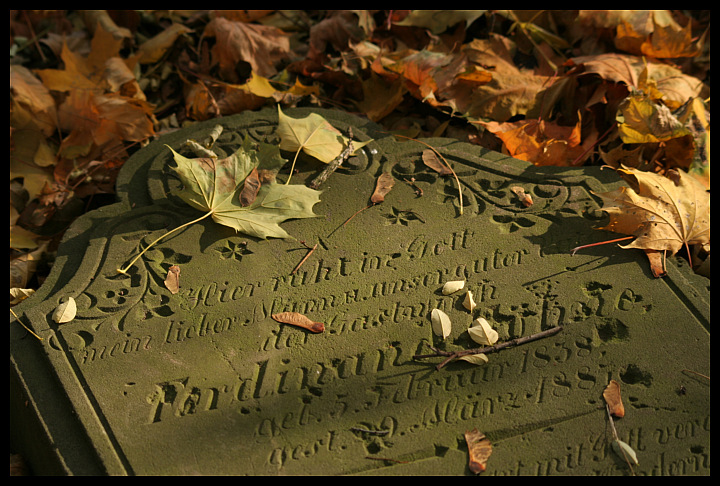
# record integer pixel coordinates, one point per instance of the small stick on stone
(333, 165)
(452, 356)
(411, 183)
(305, 258)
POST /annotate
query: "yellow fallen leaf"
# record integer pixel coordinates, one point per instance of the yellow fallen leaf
(154, 48)
(476, 359)
(65, 312)
(440, 323)
(641, 120)
(482, 333)
(663, 214)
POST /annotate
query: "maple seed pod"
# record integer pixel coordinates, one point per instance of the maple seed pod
(452, 287)
(299, 320)
(479, 448)
(440, 323)
(469, 302)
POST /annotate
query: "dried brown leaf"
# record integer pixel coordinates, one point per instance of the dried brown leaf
(525, 198)
(299, 320)
(479, 448)
(250, 188)
(612, 397)
(259, 45)
(661, 213)
(172, 281)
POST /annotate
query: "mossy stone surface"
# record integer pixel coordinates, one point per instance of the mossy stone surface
(204, 381)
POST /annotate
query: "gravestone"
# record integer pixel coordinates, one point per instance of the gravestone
(204, 381)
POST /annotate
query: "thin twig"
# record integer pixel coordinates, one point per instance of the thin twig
(411, 182)
(23, 325)
(617, 439)
(575, 250)
(311, 250)
(333, 165)
(696, 373)
(34, 38)
(453, 355)
(358, 212)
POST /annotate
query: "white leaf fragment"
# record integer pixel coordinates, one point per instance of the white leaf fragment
(619, 447)
(476, 359)
(482, 333)
(440, 323)
(469, 302)
(452, 287)
(65, 312)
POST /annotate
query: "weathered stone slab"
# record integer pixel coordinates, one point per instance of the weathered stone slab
(206, 382)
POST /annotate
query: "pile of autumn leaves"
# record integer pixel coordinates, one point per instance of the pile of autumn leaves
(633, 107)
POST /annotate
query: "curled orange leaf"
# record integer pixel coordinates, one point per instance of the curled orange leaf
(612, 397)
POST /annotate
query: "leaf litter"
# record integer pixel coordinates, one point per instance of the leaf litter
(115, 80)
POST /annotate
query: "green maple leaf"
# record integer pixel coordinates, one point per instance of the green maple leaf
(214, 186)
